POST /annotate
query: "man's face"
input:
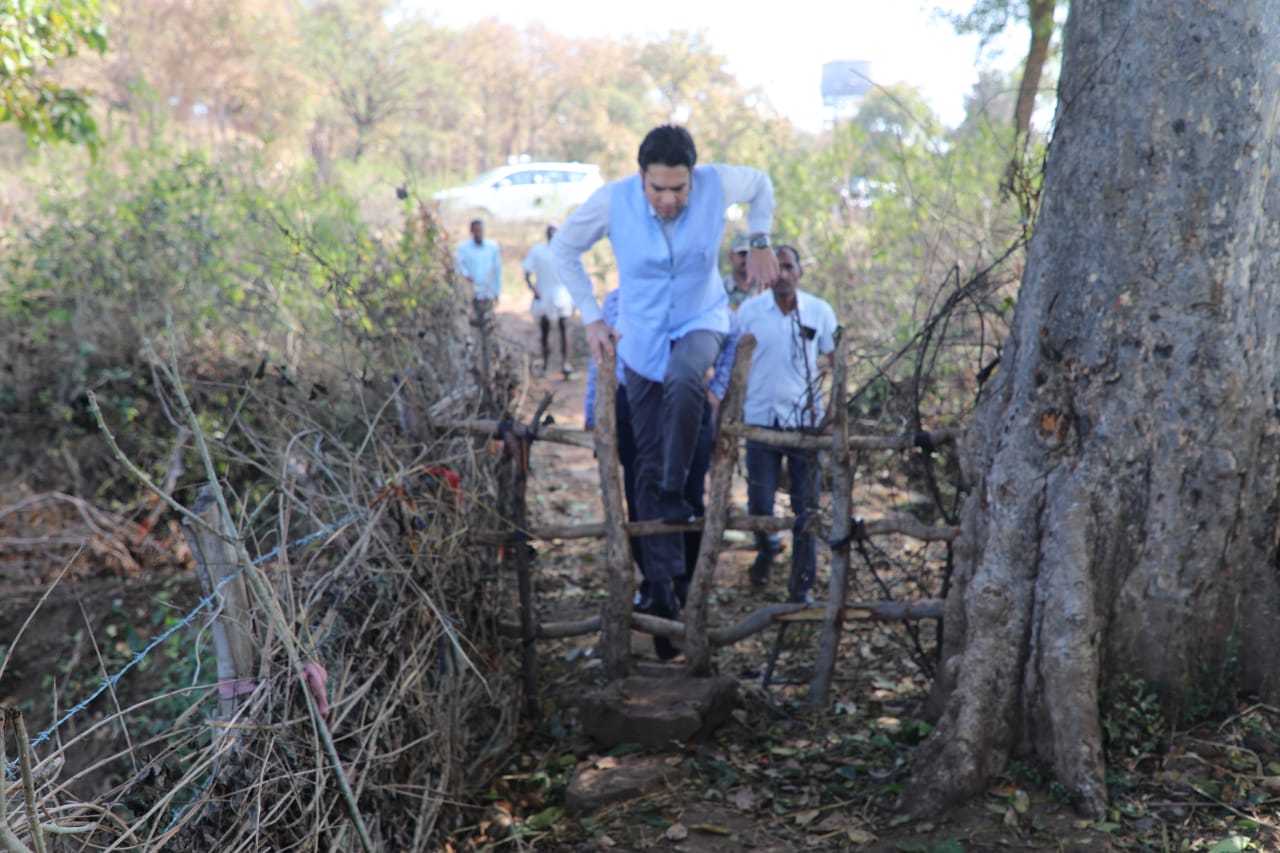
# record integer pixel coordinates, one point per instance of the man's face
(667, 188)
(739, 263)
(551, 232)
(477, 231)
(789, 272)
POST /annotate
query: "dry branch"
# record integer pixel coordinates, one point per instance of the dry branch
(496, 429)
(752, 623)
(810, 441)
(907, 525)
(842, 529)
(583, 438)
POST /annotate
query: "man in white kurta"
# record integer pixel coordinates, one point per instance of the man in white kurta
(551, 300)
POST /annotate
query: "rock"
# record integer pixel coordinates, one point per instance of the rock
(656, 711)
(594, 787)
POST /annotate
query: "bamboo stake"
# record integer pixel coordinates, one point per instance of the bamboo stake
(615, 613)
(233, 641)
(841, 529)
(697, 649)
(14, 717)
(9, 841)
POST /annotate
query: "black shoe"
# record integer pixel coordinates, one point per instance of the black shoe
(664, 648)
(680, 586)
(800, 596)
(642, 602)
(759, 572)
(662, 603)
(674, 509)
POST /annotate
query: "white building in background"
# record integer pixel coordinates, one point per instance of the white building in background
(845, 82)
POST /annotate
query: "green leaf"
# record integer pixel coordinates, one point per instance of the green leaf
(546, 818)
(1231, 844)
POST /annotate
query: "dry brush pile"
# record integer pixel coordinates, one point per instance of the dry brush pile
(350, 501)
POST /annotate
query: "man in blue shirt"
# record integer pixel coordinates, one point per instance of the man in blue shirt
(665, 224)
(480, 262)
(695, 485)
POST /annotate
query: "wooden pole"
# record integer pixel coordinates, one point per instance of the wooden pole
(925, 439)
(841, 529)
(697, 648)
(908, 525)
(753, 623)
(517, 551)
(615, 613)
(218, 567)
(802, 440)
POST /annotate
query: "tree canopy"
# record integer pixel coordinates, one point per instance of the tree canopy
(34, 36)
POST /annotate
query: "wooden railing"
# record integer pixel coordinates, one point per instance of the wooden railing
(616, 619)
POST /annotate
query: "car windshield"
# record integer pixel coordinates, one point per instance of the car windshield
(486, 178)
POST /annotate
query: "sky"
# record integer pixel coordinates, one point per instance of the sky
(780, 47)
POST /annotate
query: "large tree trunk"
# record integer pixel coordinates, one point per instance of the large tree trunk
(1123, 461)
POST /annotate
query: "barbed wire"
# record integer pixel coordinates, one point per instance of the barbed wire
(112, 680)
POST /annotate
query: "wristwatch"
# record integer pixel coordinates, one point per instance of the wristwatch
(759, 241)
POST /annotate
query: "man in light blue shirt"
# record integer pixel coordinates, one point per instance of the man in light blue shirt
(665, 224)
(479, 261)
(694, 487)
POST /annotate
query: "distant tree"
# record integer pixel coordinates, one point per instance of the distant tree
(202, 70)
(989, 18)
(368, 65)
(34, 36)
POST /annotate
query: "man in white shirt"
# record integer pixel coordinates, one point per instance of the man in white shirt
(792, 329)
(550, 299)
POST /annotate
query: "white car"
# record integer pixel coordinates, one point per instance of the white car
(521, 192)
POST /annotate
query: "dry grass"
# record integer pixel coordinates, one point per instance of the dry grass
(387, 596)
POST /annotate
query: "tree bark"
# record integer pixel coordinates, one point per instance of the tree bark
(1123, 510)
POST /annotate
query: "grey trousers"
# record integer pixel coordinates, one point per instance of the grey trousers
(665, 417)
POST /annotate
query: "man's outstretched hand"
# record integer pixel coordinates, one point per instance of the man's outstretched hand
(762, 269)
(601, 338)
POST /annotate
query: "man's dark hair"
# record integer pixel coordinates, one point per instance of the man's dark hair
(795, 254)
(476, 222)
(670, 145)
